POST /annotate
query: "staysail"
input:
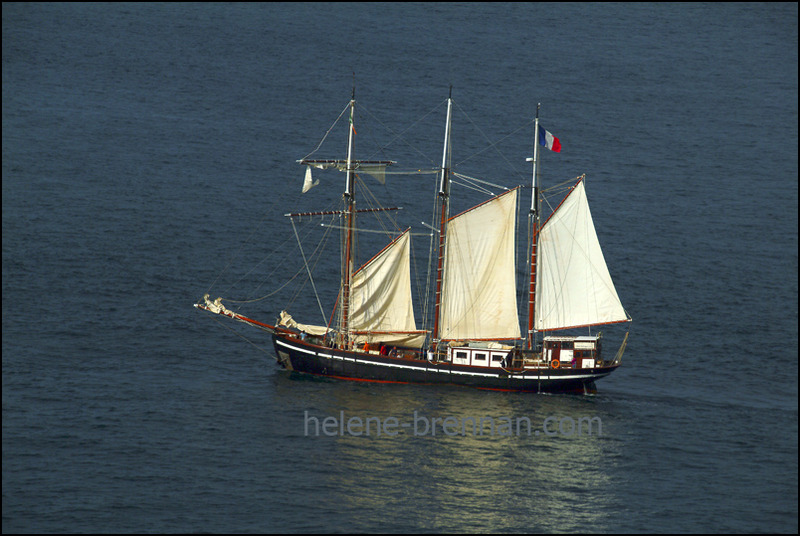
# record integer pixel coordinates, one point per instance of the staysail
(479, 299)
(573, 285)
(381, 307)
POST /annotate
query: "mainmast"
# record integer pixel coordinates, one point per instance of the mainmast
(533, 224)
(444, 209)
(347, 255)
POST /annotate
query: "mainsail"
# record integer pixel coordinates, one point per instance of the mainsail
(479, 299)
(573, 285)
(381, 309)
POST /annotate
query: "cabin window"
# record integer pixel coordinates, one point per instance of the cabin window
(461, 355)
(497, 358)
(566, 344)
(480, 357)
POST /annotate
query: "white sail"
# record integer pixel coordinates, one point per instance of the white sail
(381, 308)
(287, 320)
(410, 339)
(308, 183)
(573, 286)
(479, 299)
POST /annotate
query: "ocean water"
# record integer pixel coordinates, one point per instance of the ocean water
(149, 156)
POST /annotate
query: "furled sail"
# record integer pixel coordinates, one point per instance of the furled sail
(381, 309)
(479, 299)
(374, 168)
(287, 320)
(573, 286)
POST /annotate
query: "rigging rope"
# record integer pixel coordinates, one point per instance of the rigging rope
(300, 271)
(226, 325)
(491, 144)
(230, 262)
(473, 179)
(370, 198)
(401, 134)
(310, 277)
(262, 261)
(328, 132)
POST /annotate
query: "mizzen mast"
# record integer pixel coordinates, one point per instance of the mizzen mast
(533, 225)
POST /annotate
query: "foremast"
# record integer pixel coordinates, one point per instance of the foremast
(347, 254)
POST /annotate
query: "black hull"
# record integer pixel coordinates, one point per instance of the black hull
(301, 356)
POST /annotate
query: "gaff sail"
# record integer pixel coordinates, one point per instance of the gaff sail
(381, 308)
(479, 298)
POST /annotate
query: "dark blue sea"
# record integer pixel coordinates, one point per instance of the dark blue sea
(149, 156)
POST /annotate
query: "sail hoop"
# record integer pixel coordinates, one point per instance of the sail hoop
(574, 286)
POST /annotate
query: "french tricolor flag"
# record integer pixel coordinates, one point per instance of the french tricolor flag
(548, 140)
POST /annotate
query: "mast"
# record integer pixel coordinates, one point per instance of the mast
(347, 256)
(533, 223)
(444, 209)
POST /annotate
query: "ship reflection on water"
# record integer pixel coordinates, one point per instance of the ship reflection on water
(455, 459)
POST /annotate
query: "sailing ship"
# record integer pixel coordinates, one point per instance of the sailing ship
(475, 338)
